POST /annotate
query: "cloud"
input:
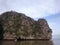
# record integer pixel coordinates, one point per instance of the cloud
(32, 8)
(37, 9)
(57, 6)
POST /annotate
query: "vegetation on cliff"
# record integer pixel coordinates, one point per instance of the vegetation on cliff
(19, 25)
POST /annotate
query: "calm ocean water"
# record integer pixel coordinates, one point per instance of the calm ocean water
(54, 41)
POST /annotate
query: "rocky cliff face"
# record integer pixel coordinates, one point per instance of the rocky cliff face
(18, 25)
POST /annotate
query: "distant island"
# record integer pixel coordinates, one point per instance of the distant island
(14, 25)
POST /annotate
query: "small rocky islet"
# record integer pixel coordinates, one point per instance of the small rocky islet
(18, 25)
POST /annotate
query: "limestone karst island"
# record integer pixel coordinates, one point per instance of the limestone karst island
(14, 25)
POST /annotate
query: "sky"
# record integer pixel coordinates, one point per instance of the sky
(36, 9)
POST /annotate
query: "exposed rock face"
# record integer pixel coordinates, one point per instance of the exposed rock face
(18, 25)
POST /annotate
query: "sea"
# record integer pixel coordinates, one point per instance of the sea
(54, 41)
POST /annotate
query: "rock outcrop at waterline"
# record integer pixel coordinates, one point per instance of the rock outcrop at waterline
(18, 25)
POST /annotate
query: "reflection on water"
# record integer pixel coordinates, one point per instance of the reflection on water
(37, 42)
